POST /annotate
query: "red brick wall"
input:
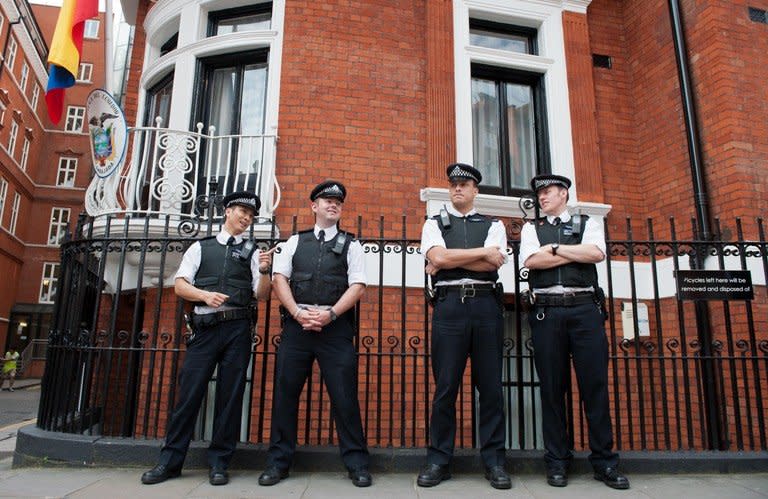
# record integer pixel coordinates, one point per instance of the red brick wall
(727, 53)
(643, 145)
(352, 106)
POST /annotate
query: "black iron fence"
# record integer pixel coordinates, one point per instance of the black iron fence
(684, 374)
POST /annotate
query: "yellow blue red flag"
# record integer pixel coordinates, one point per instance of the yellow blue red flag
(66, 49)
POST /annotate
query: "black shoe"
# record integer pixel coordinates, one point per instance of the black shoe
(272, 475)
(612, 478)
(432, 475)
(498, 477)
(159, 473)
(361, 477)
(218, 477)
(557, 478)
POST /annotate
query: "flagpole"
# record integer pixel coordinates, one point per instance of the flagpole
(108, 49)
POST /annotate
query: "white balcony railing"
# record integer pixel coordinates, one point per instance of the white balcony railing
(168, 169)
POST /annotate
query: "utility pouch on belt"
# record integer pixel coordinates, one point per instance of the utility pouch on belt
(430, 294)
(600, 301)
(498, 292)
(188, 318)
(526, 300)
(284, 315)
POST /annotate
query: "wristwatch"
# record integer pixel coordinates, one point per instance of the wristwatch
(332, 314)
(266, 271)
(554, 248)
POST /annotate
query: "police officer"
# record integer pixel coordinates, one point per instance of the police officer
(464, 251)
(318, 277)
(567, 320)
(221, 275)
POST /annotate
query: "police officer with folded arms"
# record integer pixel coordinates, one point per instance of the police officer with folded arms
(567, 320)
(319, 276)
(221, 275)
(464, 251)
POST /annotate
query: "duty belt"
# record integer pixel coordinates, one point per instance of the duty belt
(466, 290)
(564, 300)
(223, 316)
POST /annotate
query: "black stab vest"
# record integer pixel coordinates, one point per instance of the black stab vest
(465, 233)
(319, 275)
(577, 275)
(226, 269)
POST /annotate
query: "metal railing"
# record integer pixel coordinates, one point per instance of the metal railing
(114, 358)
(168, 169)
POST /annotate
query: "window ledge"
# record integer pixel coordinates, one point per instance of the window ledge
(503, 206)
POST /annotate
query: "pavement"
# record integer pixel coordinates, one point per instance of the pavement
(119, 482)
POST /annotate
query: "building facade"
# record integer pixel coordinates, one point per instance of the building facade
(276, 96)
(44, 170)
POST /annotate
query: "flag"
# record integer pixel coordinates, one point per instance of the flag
(66, 49)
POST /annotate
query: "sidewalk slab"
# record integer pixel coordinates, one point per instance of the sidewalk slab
(97, 483)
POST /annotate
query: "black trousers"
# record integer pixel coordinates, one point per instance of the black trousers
(228, 345)
(335, 353)
(461, 330)
(576, 331)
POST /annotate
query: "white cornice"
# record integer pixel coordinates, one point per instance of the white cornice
(25, 41)
(526, 62)
(579, 6)
(232, 42)
(503, 206)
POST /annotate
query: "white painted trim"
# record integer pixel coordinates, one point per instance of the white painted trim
(579, 6)
(502, 206)
(25, 42)
(232, 42)
(546, 17)
(191, 20)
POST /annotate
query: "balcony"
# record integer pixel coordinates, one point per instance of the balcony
(171, 185)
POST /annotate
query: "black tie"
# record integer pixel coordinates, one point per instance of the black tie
(231, 241)
(321, 236)
(556, 221)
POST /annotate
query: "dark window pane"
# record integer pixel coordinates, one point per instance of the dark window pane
(244, 23)
(485, 131)
(499, 41)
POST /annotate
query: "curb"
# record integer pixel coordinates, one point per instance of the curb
(37, 447)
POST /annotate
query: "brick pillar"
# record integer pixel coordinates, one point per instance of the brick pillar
(581, 89)
(441, 118)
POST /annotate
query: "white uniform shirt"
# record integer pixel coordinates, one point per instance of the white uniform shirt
(593, 233)
(190, 264)
(431, 237)
(283, 261)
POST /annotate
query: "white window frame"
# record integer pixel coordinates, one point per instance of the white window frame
(2, 21)
(10, 58)
(3, 108)
(24, 76)
(547, 19)
(91, 29)
(48, 289)
(57, 226)
(67, 166)
(163, 20)
(14, 212)
(3, 196)
(35, 97)
(85, 72)
(12, 137)
(75, 119)
(24, 154)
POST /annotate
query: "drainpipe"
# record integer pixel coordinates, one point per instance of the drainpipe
(711, 388)
(700, 198)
